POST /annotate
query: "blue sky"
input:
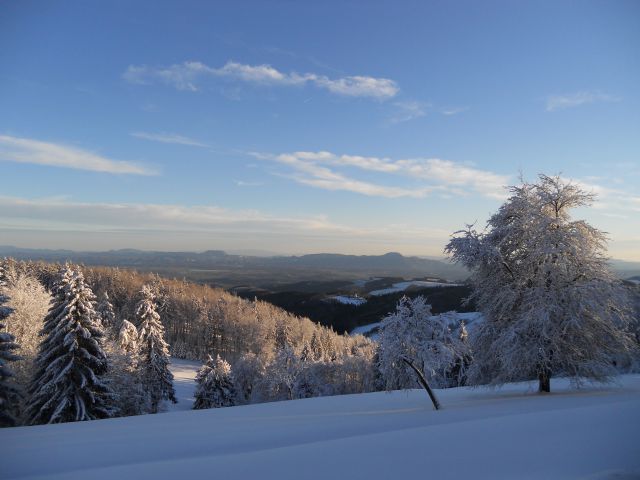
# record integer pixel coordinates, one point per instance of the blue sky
(295, 127)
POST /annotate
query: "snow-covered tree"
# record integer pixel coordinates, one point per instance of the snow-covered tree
(304, 385)
(306, 355)
(248, 372)
(30, 303)
(105, 312)
(69, 383)
(316, 347)
(281, 376)
(9, 393)
(412, 332)
(153, 352)
(541, 279)
(128, 338)
(124, 379)
(215, 386)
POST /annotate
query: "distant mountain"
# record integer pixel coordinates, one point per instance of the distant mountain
(239, 269)
(390, 264)
(626, 269)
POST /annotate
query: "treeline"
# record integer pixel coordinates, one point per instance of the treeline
(267, 346)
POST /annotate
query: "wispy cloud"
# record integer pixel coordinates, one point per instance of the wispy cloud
(610, 200)
(27, 150)
(572, 100)
(453, 110)
(169, 138)
(244, 183)
(188, 75)
(327, 170)
(409, 110)
(62, 213)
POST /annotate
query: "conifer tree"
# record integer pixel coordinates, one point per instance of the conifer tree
(305, 382)
(9, 394)
(215, 386)
(128, 338)
(69, 383)
(153, 352)
(316, 347)
(307, 353)
(105, 312)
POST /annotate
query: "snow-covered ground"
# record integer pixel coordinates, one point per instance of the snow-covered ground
(347, 300)
(184, 375)
(494, 434)
(471, 320)
(402, 286)
(366, 330)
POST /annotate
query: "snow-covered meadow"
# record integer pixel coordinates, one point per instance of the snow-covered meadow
(348, 300)
(402, 286)
(512, 432)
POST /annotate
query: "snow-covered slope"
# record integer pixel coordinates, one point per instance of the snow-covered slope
(402, 286)
(508, 433)
(348, 300)
(184, 381)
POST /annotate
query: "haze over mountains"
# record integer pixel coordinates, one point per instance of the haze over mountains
(289, 268)
(229, 270)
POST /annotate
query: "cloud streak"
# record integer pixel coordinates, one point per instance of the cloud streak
(187, 76)
(409, 110)
(169, 138)
(327, 170)
(573, 100)
(61, 213)
(26, 150)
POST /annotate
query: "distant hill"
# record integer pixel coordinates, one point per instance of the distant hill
(209, 265)
(221, 268)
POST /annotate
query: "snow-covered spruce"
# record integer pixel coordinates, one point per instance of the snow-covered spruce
(215, 386)
(541, 279)
(69, 383)
(425, 339)
(106, 314)
(9, 393)
(153, 353)
(128, 338)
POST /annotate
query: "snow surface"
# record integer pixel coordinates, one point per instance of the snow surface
(365, 329)
(402, 286)
(344, 299)
(184, 382)
(481, 434)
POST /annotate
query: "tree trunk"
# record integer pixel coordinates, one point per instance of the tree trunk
(544, 381)
(423, 382)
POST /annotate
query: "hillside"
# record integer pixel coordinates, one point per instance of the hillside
(480, 433)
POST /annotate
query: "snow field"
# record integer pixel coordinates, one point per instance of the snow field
(347, 300)
(508, 433)
(402, 286)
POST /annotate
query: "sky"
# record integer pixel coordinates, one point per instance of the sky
(300, 127)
